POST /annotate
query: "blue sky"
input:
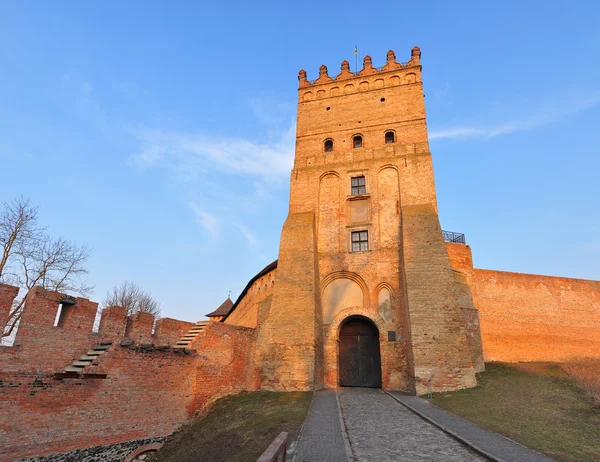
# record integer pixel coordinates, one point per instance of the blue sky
(162, 133)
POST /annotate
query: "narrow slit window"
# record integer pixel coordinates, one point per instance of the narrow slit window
(328, 146)
(389, 137)
(357, 141)
(358, 185)
(360, 241)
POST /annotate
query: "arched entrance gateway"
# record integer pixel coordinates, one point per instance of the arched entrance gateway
(359, 356)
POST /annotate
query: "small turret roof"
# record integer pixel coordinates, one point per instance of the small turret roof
(223, 310)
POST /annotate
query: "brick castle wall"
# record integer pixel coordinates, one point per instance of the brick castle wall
(288, 341)
(226, 363)
(145, 394)
(528, 317)
(256, 304)
(148, 391)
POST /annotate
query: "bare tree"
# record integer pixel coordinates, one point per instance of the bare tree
(133, 298)
(18, 227)
(32, 258)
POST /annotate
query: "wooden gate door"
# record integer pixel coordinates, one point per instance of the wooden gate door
(360, 360)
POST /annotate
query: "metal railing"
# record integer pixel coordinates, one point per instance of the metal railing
(457, 238)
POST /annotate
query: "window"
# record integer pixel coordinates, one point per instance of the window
(389, 137)
(358, 185)
(357, 142)
(360, 241)
(328, 146)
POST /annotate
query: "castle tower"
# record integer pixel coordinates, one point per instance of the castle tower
(365, 292)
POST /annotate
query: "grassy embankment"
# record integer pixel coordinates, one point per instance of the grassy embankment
(545, 406)
(237, 428)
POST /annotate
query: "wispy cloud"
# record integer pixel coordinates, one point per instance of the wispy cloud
(208, 221)
(191, 153)
(247, 234)
(560, 109)
(227, 179)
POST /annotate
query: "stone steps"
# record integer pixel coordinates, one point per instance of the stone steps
(86, 359)
(191, 335)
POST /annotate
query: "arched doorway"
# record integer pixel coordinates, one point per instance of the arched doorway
(359, 357)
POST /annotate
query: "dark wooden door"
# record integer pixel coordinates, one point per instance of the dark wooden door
(360, 361)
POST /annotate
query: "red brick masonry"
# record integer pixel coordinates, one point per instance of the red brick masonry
(528, 317)
(147, 392)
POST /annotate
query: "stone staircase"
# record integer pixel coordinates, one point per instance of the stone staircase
(191, 335)
(85, 360)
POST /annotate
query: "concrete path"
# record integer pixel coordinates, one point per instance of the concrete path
(322, 438)
(496, 446)
(362, 424)
(381, 430)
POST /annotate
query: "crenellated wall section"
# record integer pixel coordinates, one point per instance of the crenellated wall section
(138, 390)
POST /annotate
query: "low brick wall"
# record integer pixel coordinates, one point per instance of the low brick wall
(145, 395)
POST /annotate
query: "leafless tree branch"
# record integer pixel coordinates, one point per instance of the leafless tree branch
(31, 258)
(133, 298)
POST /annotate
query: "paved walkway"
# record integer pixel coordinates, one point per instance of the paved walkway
(377, 426)
(381, 430)
(321, 438)
(494, 445)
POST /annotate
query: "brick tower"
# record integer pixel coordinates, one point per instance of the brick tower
(363, 242)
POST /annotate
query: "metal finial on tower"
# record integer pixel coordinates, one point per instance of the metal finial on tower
(355, 58)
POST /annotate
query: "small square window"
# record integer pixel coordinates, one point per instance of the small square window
(360, 241)
(358, 185)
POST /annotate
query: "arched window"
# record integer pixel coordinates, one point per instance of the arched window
(357, 142)
(328, 146)
(389, 137)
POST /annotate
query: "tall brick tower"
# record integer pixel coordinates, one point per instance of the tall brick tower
(362, 248)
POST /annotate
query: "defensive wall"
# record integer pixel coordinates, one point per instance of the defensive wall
(529, 317)
(138, 392)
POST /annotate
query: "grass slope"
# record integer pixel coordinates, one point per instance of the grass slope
(536, 404)
(237, 428)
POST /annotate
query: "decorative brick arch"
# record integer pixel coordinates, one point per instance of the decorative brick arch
(347, 275)
(331, 345)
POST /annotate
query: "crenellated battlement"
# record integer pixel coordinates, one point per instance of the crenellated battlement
(56, 329)
(391, 74)
(64, 387)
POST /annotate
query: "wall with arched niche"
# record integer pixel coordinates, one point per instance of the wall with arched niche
(338, 295)
(329, 213)
(385, 303)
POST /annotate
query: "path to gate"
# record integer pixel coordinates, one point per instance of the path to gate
(370, 425)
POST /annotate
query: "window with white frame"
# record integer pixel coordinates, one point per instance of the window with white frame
(360, 241)
(358, 185)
